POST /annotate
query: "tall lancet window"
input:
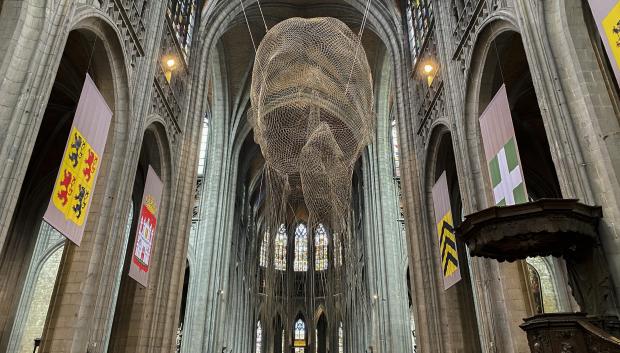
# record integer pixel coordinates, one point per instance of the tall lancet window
(280, 249)
(182, 15)
(395, 149)
(301, 248)
(337, 250)
(264, 250)
(320, 248)
(259, 338)
(300, 336)
(340, 338)
(419, 21)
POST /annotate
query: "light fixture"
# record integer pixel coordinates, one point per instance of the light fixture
(429, 72)
(170, 64)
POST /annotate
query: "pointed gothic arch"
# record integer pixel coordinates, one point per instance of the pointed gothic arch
(133, 300)
(459, 301)
(42, 143)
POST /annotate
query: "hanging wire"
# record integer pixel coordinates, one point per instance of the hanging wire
(245, 15)
(90, 58)
(499, 61)
(359, 43)
(260, 8)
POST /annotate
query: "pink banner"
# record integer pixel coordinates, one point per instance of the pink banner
(145, 233)
(607, 17)
(75, 184)
(502, 152)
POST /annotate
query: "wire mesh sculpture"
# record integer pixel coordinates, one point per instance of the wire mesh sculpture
(312, 114)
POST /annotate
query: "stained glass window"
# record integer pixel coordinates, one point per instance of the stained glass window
(259, 338)
(316, 340)
(340, 338)
(280, 249)
(395, 149)
(264, 250)
(337, 250)
(320, 248)
(301, 248)
(202, 158)
(182, 15)
(300, 336)
(419, 20)
(300, 330)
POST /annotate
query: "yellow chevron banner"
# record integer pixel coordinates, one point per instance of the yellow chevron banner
(445, 231)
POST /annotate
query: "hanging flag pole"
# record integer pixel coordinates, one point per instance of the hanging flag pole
(70, 202)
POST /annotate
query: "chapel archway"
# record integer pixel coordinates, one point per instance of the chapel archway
(506, 64)
(85, 51)
(132, 303)
(459, 299)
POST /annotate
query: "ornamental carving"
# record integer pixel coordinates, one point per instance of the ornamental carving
(468, 23)
(161, 107)
(129, 17)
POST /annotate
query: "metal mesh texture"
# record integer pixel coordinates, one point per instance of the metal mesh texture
(312, 114)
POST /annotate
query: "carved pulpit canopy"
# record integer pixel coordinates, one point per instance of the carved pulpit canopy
(558, 227)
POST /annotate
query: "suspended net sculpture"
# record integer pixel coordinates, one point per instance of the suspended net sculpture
(312, 114)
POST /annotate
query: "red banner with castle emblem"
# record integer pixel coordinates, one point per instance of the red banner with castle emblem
(75, 184)
(145, 233)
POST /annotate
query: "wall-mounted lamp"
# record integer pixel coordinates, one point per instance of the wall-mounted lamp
(429, 72)
(170, 64)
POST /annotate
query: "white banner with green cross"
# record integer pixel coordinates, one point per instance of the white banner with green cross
(502, 152)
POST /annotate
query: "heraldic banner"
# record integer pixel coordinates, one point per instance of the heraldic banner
(445, 230)
(75, 184)
(607, 17)
(145, 234)
(502, 153)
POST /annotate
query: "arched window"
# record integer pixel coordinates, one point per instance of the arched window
(301, 248)
(264, 250)
(340, 338)
(182, 15)
(280, 249)
(300, 336)
(259, 338)
(543, 285)
(337, 250)
(419, 20)
(395, 149)
(534, 277)
(320, 248)
(202, 151)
